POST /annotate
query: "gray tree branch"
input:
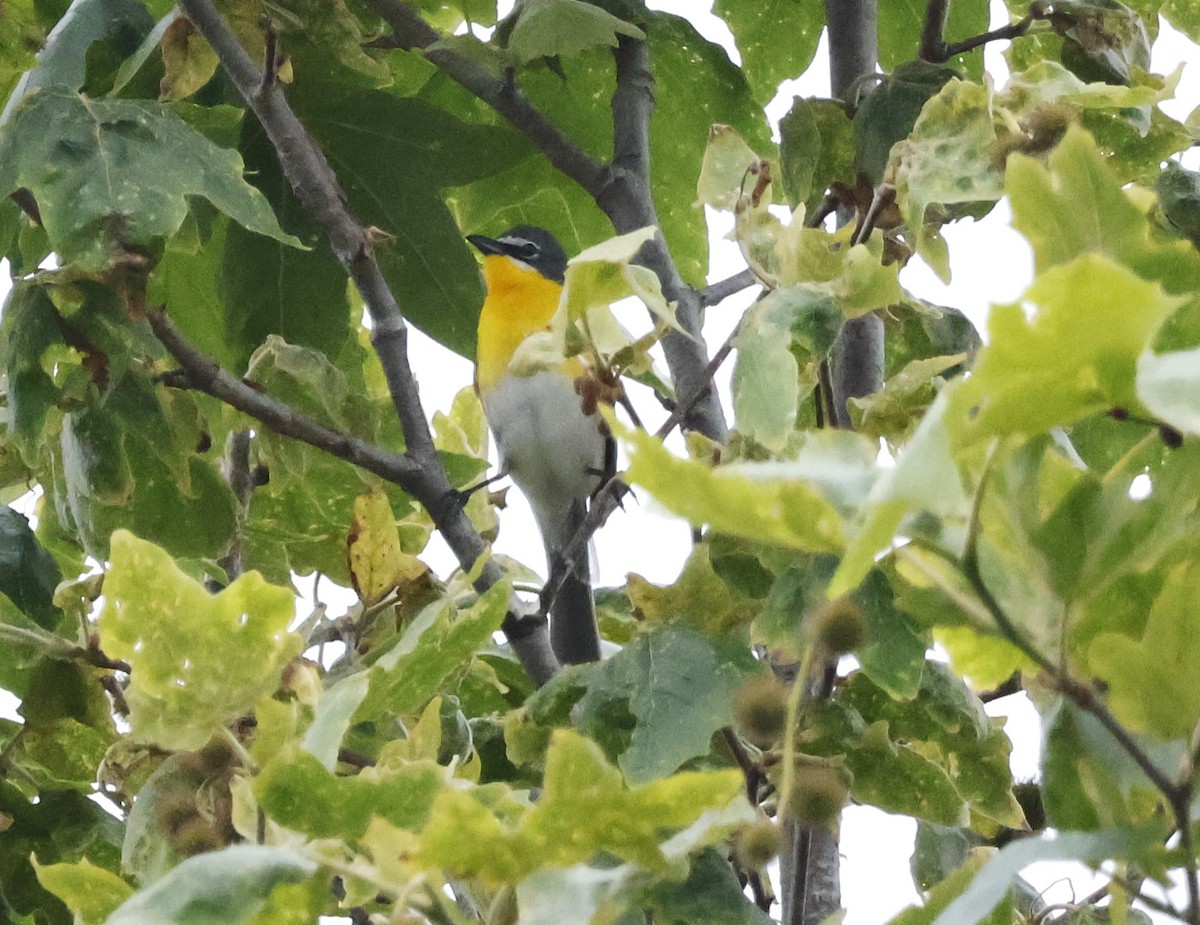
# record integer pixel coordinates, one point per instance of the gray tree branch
(621, 189)
(858, 353)
(318, 190)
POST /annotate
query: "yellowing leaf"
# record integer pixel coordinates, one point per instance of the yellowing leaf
(199, 660)
(1067, 350)
(947, 159)
(794, 504)
(188, 60)
(378, 565)
(584, 808)
(604, 274)
(724, 172)
(698, 596)
(91, 892)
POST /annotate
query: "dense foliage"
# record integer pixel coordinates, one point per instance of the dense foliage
(190, 385)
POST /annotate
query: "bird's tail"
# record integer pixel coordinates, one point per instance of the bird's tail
(573, 633)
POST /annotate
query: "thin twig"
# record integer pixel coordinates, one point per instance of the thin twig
(944, 52)
(720, 291)
(206, 375)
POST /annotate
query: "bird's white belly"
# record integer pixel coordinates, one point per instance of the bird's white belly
(550, 448)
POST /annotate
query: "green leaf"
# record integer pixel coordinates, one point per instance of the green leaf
(393, 157)
(237, 643)
(925, 478)
(938, 852)
(1075, 205)
(22, 32)
(130, 460)
(696, 86)
(680, 687)
(1103, 39)
(584, 808)
(90, 892)
(114, 27)
(799, 503)
(545, 28)
(777, 40)
(1089, 782)
(229, 886)
(1184, 15)
(816, 148)
(890, 111)
(116, 174)
(900, 24)
(297, 792)
(28, 574)
(991, 884)
(62, 826)
(186, 281)
(766, 377)
(332, 719)
(904, 398)
(894, 654)
(945, 892)
(711, 895)
(1148, 681)
(29, 324)
(1179, 196)
(1046, 366)
(947, 160)
(434, 646)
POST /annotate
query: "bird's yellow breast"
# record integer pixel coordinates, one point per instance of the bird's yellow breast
(520, 301)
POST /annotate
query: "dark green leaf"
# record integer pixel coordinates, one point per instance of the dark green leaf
(28, 574)
(30, 327)
(111, 175)
(939, 851)
(711, 895)
(679, 687)
(816, 147)
(889, 112)
(1179, 195)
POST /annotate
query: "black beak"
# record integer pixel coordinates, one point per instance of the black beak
(488, 245)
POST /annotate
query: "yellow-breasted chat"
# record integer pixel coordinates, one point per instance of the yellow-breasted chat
(555, 447)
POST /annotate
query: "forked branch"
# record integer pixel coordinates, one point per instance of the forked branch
(318, 189)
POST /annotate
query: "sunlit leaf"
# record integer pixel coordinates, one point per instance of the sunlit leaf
(238, 643)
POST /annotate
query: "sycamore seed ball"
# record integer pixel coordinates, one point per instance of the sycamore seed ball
(840, 626)
(818, 795)
(756, 845)
(760, 709)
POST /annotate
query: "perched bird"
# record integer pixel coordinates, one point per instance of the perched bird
(551, 441)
